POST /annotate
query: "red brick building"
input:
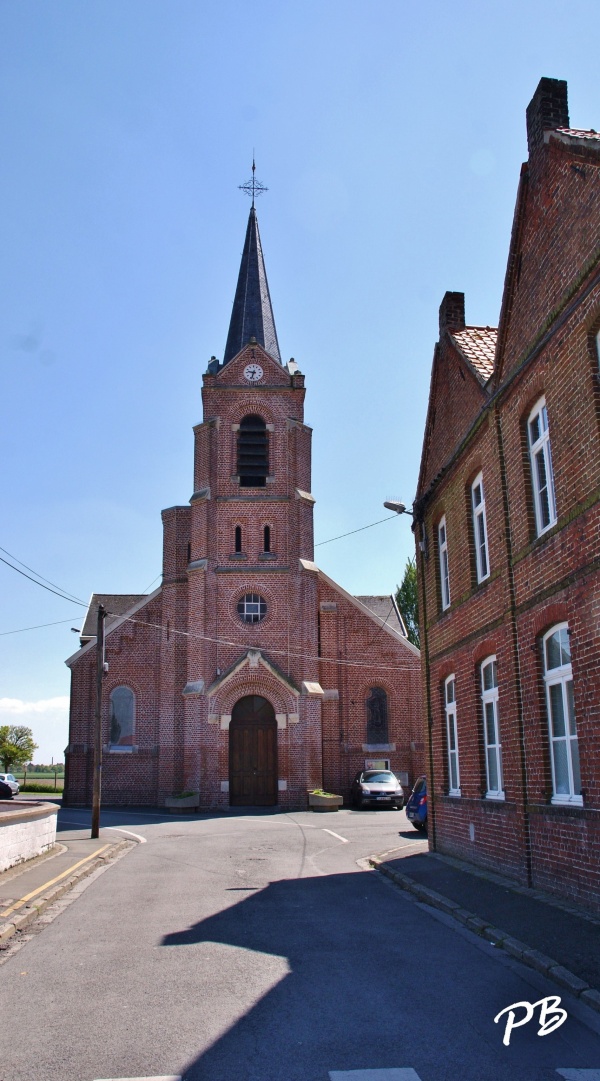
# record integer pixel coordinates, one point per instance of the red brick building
(508, 516)
(249, 675)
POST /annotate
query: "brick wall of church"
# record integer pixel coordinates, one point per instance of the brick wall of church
(357, 655)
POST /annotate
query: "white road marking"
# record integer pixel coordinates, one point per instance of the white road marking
(399, 1074)
(137, 836)
(344, 839)
(580, 1075)
(163, 1077)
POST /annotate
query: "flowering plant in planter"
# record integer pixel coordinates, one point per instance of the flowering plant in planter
(319, 800)
(185, 801)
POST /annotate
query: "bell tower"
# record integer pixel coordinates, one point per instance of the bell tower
(252, 584)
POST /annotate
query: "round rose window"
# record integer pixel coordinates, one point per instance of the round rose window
(252, 608)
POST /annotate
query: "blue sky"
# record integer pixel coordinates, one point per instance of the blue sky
(390, 136)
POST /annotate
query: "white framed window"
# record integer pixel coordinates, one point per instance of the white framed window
(491, 729)
(444, 570)
(451, 736)
(542, 477)
(480, 529)
(564, 748)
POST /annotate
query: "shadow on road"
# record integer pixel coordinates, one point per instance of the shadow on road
(344, 1000)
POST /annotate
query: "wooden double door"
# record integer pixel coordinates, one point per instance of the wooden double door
(253, 753)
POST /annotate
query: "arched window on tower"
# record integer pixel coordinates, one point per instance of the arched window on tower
(253, 452)
(377, 716)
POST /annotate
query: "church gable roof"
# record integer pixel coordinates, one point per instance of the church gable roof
(385, 608)
(390, 623)
(252, 314)
(116, 604)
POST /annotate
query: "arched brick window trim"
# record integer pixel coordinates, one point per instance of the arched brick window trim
(484, 649)
(548, 616)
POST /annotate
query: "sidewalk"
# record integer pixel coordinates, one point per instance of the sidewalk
(29, 888)
(539, 930)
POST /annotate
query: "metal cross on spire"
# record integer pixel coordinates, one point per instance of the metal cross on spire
(253, 187)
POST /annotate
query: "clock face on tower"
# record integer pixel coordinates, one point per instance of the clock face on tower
(253, 372)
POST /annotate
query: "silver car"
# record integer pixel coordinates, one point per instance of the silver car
(377, 787)
(11, 781)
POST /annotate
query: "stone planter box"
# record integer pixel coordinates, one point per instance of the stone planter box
(324, 803)
(183, 804)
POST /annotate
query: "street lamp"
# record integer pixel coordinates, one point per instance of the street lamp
(401, 508)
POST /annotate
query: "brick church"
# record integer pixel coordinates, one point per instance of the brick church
(248, 676)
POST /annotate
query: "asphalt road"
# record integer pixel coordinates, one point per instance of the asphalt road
(254, 947)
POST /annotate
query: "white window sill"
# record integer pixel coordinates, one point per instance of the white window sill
(455, 792)
(540, 532)
(498, 796)
(567, 801)
(120, 750)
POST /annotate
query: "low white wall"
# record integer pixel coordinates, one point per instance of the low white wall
(26, 830)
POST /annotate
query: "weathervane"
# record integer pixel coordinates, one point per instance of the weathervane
(253, 187)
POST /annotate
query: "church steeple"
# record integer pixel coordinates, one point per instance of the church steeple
(252, 314)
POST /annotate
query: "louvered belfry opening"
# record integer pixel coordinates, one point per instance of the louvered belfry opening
(253, 452)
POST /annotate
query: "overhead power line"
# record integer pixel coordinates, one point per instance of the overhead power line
(38, 626)
(63, 596)
(267, 649)
(41, 576)
(360, 530)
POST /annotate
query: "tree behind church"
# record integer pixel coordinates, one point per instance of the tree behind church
(407, 599)
(16, 746)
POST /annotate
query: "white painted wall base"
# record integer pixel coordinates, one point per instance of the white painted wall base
(26, 830)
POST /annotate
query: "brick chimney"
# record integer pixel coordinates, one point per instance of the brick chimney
(547, 110)
(452, 312)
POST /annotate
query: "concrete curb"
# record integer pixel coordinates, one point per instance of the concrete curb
(31, 911)
(512, 946)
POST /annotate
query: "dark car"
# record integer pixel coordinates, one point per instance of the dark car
(416, 808)
(377, 787)
(5, 791)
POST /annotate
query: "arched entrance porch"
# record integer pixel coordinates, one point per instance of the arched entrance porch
(253, 753)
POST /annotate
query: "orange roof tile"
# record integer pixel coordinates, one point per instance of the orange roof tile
(576, 133)
(478, 347)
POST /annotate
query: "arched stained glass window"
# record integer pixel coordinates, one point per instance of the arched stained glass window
(377, 716)
(122, 717)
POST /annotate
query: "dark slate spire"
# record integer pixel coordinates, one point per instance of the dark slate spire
(252, 314)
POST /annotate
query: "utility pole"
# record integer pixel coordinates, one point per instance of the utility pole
(98, 722)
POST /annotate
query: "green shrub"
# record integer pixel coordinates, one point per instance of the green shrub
(35, 787)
